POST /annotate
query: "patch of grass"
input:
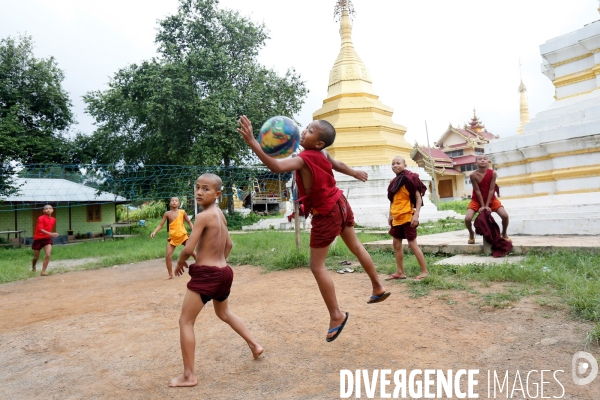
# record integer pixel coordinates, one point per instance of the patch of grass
(504, 299)
(593, 336)
(291, 259)
(459, 206)
(443, 225)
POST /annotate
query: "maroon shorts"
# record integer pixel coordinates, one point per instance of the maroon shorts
(326, 227)
(210, 282)
(39, 244)
(404, 231)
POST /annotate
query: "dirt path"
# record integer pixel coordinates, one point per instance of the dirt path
(113, 333)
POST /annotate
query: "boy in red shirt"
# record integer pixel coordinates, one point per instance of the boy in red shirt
(332, 215)
(42, 238)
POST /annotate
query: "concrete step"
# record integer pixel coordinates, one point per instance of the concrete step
(579, 208)
(555, 226)
(558, 215)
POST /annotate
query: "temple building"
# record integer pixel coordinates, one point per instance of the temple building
(549, 176)
(367, 138)
(453, 158)
(366, 134)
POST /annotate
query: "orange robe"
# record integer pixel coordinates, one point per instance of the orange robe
(177, 232)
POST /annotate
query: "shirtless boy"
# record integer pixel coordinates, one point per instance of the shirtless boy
(211, 276)
(177, 233)
(483, 180)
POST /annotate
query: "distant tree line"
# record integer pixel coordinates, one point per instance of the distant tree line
(179, 108)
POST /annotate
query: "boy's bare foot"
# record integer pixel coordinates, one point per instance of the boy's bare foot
(182, 381)
(421, 277)
(333, 323)
(256, 351)
(32, 269)
(169, 277)
(44, 274)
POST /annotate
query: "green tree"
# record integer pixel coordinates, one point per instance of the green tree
(35, 111)
(182, 107)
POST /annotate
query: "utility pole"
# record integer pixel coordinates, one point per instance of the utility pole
(433, 182)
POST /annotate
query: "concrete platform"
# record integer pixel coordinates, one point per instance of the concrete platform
(456, 243)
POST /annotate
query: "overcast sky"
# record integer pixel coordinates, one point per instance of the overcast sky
(431, 60)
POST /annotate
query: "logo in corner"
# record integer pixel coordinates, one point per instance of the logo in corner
(582, 363)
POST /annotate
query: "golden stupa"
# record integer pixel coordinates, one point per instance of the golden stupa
(366, 134)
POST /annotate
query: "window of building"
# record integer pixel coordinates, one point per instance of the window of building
(468, 181)
(478, 151)
(455, 153)
(468, 167)
(94, 213)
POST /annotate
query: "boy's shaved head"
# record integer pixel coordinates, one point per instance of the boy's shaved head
(215, 179)
(47, 206)
(480, 155)
(326, 133)
(400, 158)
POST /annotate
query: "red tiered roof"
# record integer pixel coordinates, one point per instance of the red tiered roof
(436, 153)
(464, 160)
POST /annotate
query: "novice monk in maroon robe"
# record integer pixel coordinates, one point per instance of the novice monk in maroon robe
(211, 276)
(484, 185)
(332, 215)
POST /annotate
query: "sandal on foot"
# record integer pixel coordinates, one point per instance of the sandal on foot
(420, 278)
(508, 239)
(395, 277)
(378, 299)
(338, 329)
(471, 241)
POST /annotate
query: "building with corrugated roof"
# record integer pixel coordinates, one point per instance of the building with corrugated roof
(77, 208)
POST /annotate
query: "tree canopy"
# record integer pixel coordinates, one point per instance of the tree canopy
(181, 108)
(35, 111)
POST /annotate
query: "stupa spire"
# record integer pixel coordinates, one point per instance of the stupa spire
(366, 133)
(348, 66)
(475, 123)
(524, 110)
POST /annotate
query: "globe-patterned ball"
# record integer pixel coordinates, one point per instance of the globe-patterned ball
(279, 137)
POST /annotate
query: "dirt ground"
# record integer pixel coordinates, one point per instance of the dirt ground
(113, 333)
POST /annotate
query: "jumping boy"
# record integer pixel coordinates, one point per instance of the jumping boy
(332, 215)
(405, 196)
(211, 276)
(42, 238)
(177, 233)
(484, 185)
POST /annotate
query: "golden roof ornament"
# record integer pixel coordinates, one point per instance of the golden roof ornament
(340, 7)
